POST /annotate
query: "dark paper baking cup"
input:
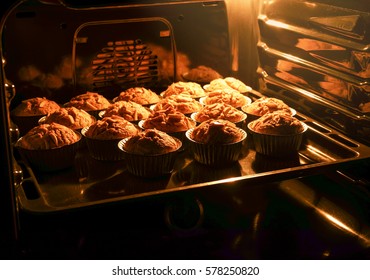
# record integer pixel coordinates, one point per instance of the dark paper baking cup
(103, 149)
(149, 165)
(277, 145)
(51, 159)
(216, 154)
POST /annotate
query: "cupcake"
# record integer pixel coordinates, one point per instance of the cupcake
(216, 142)
(192, 89)
(227, 96)
(182, 102)
(277, 134)
(103, 136)
(265, 105)
(169, 121)
(217, 84)
(27, 114)
(220, 111)
(227, 83)
(49, 147)
(151, 153)
(129, 110)
(71, 117)
(139, 95)
(237, 84)
(91, 102)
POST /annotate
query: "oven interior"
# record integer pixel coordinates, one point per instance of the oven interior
(314, 205)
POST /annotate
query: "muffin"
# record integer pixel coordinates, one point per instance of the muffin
(201, 74)
(138, 95)
(129, 110)
(265, 105)
(27, 114)
(237, 84)
(35, 107)
(49, 147)
(227, 96)
(195, 90)
(227, 83)
(169, 121)
(277, 134)
(102, 137)
(217, 84)
(182, 102)
(216, 142)
(71, 117)
(219, 111)
(150, 153)
(91, 102)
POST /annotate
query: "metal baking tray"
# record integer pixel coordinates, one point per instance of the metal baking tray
(91, 182)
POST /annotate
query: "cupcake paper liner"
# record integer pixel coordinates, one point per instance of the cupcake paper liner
(51, 159)
(277, 145)
(149, 165)
(103, 149)
(216, 154)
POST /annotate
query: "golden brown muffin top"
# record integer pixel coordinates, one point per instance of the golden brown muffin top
(129, 110)
(227, 83)
(71, 117)
(227, 96)
(277, 123)
(265, 105)
(139, 95)
(168, 120)
(237, 84)
(89, 101)
(114, 127)
(182, 102)
(217, 84)
(190, 88)
(36, 106)
(151, 142)
(219, 111)
(217, 132)
(48, 136)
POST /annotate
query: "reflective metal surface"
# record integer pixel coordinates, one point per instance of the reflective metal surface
(321, 57)
(91, 182)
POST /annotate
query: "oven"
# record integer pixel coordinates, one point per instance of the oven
(312, 205)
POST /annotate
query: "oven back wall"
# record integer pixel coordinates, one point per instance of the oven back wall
(40, 42)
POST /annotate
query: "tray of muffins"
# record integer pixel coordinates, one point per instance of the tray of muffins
(92, 151)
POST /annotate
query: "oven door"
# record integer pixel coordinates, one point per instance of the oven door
(313, 205)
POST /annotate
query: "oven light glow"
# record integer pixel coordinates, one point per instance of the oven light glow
(336, 221)
(277, 24)
(343, 226)
(342, 219)
(310, 4)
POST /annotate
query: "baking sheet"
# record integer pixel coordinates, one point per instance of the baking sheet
(91, 182)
